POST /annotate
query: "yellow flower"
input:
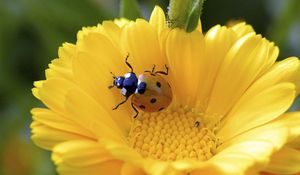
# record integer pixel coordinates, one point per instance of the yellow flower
(227, 115)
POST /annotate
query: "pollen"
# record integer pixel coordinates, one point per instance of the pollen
(174, 134)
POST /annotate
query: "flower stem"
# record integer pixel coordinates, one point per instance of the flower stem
(185, 14)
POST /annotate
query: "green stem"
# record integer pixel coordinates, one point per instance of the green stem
(185, 14)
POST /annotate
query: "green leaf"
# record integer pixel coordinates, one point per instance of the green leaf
(193, 18)
(129, 9)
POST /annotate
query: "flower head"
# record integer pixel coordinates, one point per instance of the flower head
(226, 117)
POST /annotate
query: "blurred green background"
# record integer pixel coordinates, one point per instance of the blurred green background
(32, 30)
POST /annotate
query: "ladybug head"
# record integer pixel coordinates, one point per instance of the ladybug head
(118, 82)
(128, 83)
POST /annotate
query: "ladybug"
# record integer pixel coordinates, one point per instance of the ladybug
(149, 92)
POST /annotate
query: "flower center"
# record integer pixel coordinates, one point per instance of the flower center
(173, 134)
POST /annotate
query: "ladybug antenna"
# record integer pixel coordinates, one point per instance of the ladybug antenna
(113, 75)
(153, 68)
(127, 63)
(152, 71)
(162, 72)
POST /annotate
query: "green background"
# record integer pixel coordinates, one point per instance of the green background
(32, 30)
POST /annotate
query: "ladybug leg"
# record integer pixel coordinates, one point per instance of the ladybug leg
(127, 63)
(162, 72)
(122, 102)
(136, 111)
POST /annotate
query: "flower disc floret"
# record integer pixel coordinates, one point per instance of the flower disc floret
(174, 134)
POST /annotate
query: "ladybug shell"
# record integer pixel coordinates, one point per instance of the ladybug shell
(157, 96)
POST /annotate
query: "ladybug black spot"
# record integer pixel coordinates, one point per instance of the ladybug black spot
(153, 100)
(142, 107)
(158, 84)
(160, 109)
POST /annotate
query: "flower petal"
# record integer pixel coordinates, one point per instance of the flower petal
(277, 134)
(52, 93)
(140, 40)
(35, 90)
(128, 169)
(121, 22)
(220, 39)
(55, 121)
(84, 157)
(285, 161)
(186, 62)
(61, 67)
(112, 31)
(284, 71)
(158, 19)
(47, 137)
(241, 66)
(92, 116)
(199, 27)
(256, 109)
(272, 56)
(296, 78)
(242, 157)
(242, 29)
(292, 121)
(196, 167)
(124, 152)
(102, 54)
(273, 134)
(85, 31)
(155, 167)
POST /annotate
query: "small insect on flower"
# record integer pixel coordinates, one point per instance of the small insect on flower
(150, 91)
